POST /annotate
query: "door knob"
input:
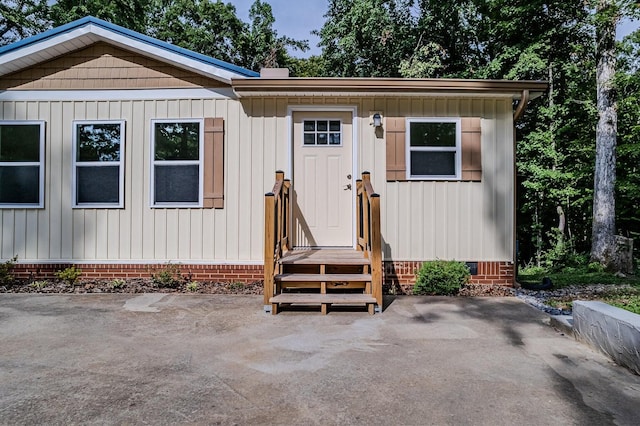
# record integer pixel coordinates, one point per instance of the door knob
(347, 187)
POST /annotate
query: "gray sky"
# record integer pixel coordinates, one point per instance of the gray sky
(297, 18)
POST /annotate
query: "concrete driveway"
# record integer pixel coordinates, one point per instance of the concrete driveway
(181, 359)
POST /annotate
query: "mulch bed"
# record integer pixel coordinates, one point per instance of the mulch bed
(134, 285)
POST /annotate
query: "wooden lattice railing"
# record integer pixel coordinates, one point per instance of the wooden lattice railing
(276, 231)
(369, 238)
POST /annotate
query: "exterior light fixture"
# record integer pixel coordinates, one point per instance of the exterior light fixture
(377, 120)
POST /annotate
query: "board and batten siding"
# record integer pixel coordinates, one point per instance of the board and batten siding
(139, 233)
(461, 220)
(420, 220)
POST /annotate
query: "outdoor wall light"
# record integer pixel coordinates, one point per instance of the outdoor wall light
(377, 120)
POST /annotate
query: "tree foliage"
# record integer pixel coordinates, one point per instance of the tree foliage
(22, 18)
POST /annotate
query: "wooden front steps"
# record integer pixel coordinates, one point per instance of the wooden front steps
(323, 277)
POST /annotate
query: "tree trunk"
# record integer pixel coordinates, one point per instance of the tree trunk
(604, 226)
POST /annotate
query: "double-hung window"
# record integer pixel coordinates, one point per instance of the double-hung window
(177, 171)
(98, 157)
(433, 148)
(21, 164)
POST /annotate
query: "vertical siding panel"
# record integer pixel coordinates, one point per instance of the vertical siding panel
(262, 139)
(136, 178)
(416, 230)
(184, 227)
(8, 234)
(89, 231)
(429, 209)
(160, 232)
(236, 136)
(173, 228)
(61, 235)
(123, 246)
(217, 236)
(20, 233)
(367, 133)
(151, 109)
(102, 233)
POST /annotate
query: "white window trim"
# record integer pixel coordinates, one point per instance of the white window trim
(40, 163)
(457, 149)
(316, 132)
(120, 164)
(199, 162)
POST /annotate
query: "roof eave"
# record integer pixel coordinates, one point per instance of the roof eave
(385, 86)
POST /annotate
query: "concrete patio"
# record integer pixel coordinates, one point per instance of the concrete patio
(182, 359)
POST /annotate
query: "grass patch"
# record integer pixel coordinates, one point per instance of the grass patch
(575, 276)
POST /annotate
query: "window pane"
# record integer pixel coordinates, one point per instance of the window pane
(98, 184)
(334, 138)
(433, 134)
(322, 138)
(433, 163)
(98, 142)
(19, 142)
(309, 139)
(20, 184)
(334, 126)
(309, 126)
(176, 184)
(177, 141)
(322, 126)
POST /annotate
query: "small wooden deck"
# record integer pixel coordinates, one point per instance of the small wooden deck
(323, 277)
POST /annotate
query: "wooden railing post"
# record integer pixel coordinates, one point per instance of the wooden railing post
(269, 245)
(376, 250)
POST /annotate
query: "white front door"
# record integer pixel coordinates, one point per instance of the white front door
(322, 179)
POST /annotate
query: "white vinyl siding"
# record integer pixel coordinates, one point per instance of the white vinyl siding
(421, 220)
(98, 164)
(22, 162)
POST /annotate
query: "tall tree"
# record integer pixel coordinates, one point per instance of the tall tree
(131, 14)
(366, 38)
(22, 18)
(260, 45)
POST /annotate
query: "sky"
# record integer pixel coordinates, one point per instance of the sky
(297, 18)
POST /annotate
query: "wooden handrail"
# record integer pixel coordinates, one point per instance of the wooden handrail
(368, 233)
(277, 224)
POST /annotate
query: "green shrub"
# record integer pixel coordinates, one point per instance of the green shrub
(167, 277)
(39, 285)
(117, 283)
(193, 286)
(441, 277)
(70, 274)
(6, 276)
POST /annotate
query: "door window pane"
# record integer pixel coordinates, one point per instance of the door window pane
(322, 132)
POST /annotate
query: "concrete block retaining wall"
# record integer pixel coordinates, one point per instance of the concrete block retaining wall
(613, 331)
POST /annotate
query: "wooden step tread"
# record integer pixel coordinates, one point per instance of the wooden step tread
(323, 277)
(317, 298)
(324, 257)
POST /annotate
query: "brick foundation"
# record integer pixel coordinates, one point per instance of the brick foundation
(399, 277)
(218, 273)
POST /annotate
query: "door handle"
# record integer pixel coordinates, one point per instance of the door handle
(347, 187)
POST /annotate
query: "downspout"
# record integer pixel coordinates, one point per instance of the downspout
(517, 114)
